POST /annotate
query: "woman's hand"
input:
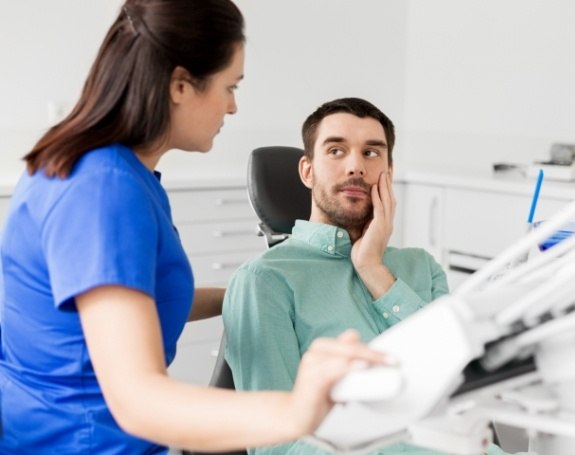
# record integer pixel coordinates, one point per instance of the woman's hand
(325, 362)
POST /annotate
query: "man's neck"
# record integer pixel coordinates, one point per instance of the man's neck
(354, 234)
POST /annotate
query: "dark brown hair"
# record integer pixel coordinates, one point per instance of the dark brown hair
(355, 106)
(125, 98)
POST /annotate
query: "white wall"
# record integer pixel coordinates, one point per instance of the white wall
(46, 49)
(489, 80)
(300, 53)
(466, 82)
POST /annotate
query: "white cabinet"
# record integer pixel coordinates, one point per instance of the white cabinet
(483, 223)
(218, 231)
(479, 224)
(423, 218)
(465, 222)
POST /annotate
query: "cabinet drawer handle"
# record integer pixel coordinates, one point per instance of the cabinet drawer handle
(225, 265)
(239, 233)
(230, 201)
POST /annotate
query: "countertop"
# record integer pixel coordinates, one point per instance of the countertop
(178, 183)
(510, 182)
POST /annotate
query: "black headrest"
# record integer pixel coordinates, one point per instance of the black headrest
(276, 192)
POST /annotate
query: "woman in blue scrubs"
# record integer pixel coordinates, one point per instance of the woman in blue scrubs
(97, 287)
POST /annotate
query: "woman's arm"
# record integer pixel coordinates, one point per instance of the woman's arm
(124, 340)
(207, 303)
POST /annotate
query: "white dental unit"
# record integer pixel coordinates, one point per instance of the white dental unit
(505, 352)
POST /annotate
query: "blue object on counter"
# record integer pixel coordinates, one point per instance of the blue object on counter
(567, 231)
(535, 196)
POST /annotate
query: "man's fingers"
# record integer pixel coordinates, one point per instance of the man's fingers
(376, 199)
(391, 193)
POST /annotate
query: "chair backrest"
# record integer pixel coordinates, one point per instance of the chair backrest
(276, 192)
(222, 374)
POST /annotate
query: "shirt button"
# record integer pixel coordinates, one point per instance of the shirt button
(339, 234)
(395, 308)
(385, 315)
(330, 248)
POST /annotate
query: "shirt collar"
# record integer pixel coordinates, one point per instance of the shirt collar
(330, 239)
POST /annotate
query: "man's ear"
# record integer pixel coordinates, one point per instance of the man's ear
(305, 171)
(180, 83)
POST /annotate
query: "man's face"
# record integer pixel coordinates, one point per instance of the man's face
(350, 153)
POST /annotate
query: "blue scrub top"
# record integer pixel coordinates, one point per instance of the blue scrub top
(107, 223)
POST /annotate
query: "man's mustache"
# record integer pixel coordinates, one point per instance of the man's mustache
(356, 181)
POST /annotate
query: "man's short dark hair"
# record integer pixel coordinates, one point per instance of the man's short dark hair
(355, 106)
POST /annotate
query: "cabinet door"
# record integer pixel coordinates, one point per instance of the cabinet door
(220, 237)
(484, 223)
(217, 227)
(422, 219)
(195, 205)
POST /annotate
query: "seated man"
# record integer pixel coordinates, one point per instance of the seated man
(336, 271)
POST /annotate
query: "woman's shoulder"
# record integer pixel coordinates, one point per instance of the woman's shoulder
(114, 158)
(113, 169)
(106, 176)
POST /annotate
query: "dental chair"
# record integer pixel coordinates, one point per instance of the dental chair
(276, 192)
(278, 197)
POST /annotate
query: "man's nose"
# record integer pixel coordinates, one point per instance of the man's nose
(356, 166)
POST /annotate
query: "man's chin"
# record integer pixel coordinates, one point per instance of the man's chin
(345, 212)
(351, 220)
(357, 211)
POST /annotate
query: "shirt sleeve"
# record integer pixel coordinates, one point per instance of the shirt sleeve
(262, 349)
(419, 281)
(439, 286)
(102, 231)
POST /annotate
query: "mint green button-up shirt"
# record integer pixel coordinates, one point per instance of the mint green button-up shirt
(307, 287)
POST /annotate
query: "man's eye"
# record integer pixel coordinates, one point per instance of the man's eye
(371, 153)
(335, 151)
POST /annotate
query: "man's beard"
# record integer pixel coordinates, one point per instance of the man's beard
(340, 216)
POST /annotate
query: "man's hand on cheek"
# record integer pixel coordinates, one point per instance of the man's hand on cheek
(367, 252)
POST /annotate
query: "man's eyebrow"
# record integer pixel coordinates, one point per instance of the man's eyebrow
(339, 140)
(376, 143)
(332, 139)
